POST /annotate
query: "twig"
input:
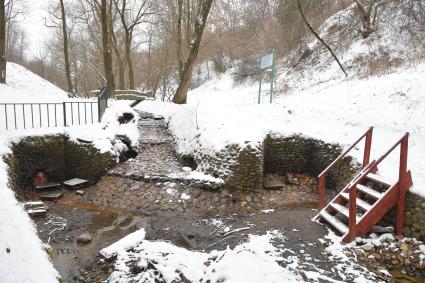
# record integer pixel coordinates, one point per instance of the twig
(219, 242)
(236, 231)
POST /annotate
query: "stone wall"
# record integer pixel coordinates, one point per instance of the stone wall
(242, 166)
(300, 155)
(58, 157)
(414, 218)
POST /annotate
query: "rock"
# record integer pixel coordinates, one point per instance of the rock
(48, 248)
(367, 247)
(404, 247)
(79, 192)
(84, 238)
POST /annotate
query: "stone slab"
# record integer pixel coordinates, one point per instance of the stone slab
(76, 183)
(36, 212)
(49, 186)
(272, 182)
(51, 197)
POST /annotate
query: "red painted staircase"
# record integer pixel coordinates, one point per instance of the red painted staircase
(368, 197)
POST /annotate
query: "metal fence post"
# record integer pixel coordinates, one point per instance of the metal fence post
(64, 114)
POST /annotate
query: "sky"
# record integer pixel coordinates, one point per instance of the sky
(33, 24)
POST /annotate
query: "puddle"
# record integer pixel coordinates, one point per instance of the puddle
(65, 222)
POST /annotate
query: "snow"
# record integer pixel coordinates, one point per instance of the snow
(27, 261)
(338, 111)
(25, 86)
(254, 261)
(124, 244)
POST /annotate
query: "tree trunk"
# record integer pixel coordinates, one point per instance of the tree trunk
(181, 93)
(179, 36)
(2, 43)
(66, 49)
(365, 15)
(118, 57)
(318, 37)
(128, 40)
(106, 46)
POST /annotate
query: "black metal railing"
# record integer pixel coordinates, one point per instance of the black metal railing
(40, 115)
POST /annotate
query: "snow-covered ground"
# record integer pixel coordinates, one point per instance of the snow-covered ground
(338, 111)
(261, 258)
(22, 258)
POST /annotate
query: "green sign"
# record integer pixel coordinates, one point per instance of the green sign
(267, 62)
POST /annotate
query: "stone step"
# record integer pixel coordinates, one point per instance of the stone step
(37, 212)
(51, 197)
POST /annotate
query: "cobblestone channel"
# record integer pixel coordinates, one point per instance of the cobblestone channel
(156, 181)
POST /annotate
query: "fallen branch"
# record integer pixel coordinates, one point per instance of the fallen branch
(236, 231)
(219, 242)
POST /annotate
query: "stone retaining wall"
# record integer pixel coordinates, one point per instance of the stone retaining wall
(243, 166)
(58, 157)
(300, 155)
(414, 217)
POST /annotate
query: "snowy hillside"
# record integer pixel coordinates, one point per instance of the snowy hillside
(23, 85)
(399, 41)
(22, 258)
(384, 89)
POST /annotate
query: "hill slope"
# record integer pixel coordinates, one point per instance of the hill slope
(23, 85)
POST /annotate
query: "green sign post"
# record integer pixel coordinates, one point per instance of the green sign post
(267, 62)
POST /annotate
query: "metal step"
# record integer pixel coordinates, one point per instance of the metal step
(379, 179)
(341, 227)
(360, 203)
(369, 191)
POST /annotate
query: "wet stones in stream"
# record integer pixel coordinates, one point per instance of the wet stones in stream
(157, 197)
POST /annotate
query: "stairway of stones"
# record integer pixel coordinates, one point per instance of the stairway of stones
(156, 159)
(369, 196)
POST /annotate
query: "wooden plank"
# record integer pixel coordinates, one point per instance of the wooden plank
(360, 203)
(379, 179)
(371, 192)
(378, 210)
(341, 227)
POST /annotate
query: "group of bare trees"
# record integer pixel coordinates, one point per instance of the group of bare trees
(154, 44)
(2, 42)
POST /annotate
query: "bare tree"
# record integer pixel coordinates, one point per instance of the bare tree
(180, 96)
(179, 35)
(106, 47)
(368, 14)
(318, 37)
(2, 43)
(132, 14)
(58, 21)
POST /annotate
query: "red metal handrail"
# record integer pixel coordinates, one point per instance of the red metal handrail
(366, 157)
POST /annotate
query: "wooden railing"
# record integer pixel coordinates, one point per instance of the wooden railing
(352, 206)
(366, 157)
(403, 184)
